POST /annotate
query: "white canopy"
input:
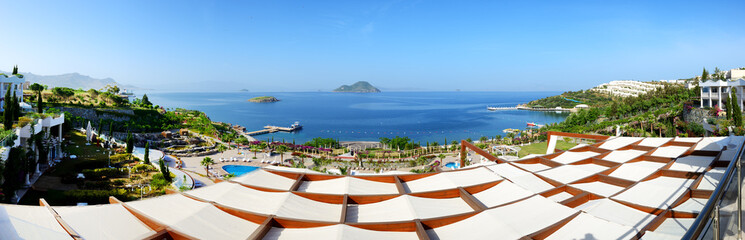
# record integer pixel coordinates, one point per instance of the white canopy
(261, 178)
(194, 218)
(571, 157)
(119, 222)
(283, 204)
(29, 222)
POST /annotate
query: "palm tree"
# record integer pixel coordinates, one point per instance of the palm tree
(281, 149)
(255, 149)
(221, 148)
(206, 162)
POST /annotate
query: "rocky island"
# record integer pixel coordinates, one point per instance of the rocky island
(263, 99)
(358, 87)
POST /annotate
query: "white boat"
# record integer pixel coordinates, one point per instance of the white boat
(491, 108)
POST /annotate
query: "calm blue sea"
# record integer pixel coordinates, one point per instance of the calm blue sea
(421, 116)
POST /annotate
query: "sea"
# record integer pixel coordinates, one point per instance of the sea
(421, 116)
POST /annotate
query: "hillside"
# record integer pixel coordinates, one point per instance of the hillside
(571, 99)
(72, 80)
(360, 87)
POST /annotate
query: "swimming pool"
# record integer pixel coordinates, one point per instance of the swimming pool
(451, 165)
(238, 169)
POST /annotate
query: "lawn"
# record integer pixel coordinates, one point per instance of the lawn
(540, 148)
(88, 156)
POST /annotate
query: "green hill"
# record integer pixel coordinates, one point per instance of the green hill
(360, 87)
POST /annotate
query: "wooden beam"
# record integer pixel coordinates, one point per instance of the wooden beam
(297, 183)
(420, 232)
(471, 200)
(263, 229)
(59, 219)
(466, 145)
(344, 204)
(400, 185)
(577, 135)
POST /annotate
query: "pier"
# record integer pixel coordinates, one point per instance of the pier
(273, 129)
(520, 107)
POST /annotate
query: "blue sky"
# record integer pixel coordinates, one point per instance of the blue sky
(395, 45)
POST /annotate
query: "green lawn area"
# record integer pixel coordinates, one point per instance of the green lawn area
(540, 148)
(88, 156)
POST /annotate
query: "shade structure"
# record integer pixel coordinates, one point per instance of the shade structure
(194, 218)
(619, 142)
(29, 222)
(110, 221)
(570, 157)
(610, 189)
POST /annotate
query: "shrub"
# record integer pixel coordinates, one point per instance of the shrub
(143, 168)
(94, 196)
(100, 173)
(121, 157)
(158, 181)
(118, 182)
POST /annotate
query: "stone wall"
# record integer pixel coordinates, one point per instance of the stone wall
(94, 115)
(696, 115)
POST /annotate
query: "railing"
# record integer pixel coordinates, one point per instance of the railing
(722, 215)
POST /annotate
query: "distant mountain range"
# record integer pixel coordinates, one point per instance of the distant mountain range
(361, 87)
(73, 80)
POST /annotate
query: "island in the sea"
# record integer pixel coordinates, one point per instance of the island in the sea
(358, 87)
(263, 99)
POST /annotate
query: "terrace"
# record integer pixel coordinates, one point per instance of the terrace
(586, 191)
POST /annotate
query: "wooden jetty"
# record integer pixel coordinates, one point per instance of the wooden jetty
(273, 129)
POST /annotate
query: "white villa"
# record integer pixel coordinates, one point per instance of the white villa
(713, 92)
(626, 88)
(15, 82)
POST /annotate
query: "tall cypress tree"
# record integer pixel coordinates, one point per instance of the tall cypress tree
(736, 111)
(16, 107)
(130, 142)
(8, 112)
(15, 70)
(147, 153)
(728, 106)
(111, 130)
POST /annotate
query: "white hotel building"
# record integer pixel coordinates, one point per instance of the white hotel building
(14, 82)
(714, 92)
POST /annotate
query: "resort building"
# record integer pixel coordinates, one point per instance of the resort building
(626, 88)
(714, 93)
(736, 73)
(616, 188)
(15, 83)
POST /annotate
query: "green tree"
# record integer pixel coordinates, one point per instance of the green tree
(221, 148)
(165, 171)
(206, 162)
(8, 111)
(281, 149)
(736, 111)
(111, 130)
(15, 70)
(728, 106)
(63, 92)
(130, 142)
(38, 89)
(705, 75)
(146, 101)
(16, 107)
(147, 153)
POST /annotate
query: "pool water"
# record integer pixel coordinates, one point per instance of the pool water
(451, 165)
(238, 169)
